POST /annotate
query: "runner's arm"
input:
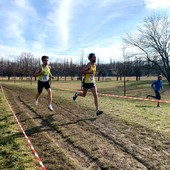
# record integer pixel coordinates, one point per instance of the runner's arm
(86, 69)
(153, 85)
(38, 72)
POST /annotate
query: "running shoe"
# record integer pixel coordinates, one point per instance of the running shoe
(50, 108)
(99, 112)
(36, 102)
(75, 96)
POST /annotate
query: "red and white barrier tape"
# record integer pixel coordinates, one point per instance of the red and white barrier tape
(135, 98)
(127, 97)
(26, 137)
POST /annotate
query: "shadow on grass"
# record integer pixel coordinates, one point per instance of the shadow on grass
(144, 106)
(11, 151)
(77, 121)
(6, 118)
(11, 138)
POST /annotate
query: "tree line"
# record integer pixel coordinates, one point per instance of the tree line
(26, 64)
(150, 55)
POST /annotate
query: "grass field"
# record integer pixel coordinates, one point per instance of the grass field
(14, 150)
(137, 132)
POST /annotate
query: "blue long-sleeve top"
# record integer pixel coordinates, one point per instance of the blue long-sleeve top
(157, 85)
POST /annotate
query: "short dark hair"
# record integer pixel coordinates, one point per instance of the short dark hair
(90, 56)
(44, 57)
(160, 76)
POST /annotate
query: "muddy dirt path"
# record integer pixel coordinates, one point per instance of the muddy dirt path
(70, 138)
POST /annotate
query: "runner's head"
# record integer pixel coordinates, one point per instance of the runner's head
(44, 59)
(159, 77)
(92, 57)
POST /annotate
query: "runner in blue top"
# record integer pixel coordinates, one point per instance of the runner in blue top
(157, 86)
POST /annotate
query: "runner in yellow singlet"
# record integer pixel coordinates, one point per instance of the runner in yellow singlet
(89, 72)
(44, 73)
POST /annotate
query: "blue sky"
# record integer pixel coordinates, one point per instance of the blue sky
(65, 29)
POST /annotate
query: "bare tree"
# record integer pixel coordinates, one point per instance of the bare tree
(119, 70)
(2, 67)
(9, 69)
(153, 42)
(137, 66)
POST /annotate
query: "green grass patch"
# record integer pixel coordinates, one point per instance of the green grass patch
(144, 113)
(15, 153)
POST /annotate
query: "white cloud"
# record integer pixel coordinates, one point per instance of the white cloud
(11, 26)
(62, 28)
(14, 19)
(9, 51)
(24, 5)
(3, 56)
(154, 4)
(105, 3)
(104, 54)
(64, 15)
(58, 20)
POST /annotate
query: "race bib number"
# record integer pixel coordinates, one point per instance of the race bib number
(91, 79)
(45, 78)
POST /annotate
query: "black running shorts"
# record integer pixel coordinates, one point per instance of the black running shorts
(42, 85)
(88, 85)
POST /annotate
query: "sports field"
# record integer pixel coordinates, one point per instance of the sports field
(131, 134)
